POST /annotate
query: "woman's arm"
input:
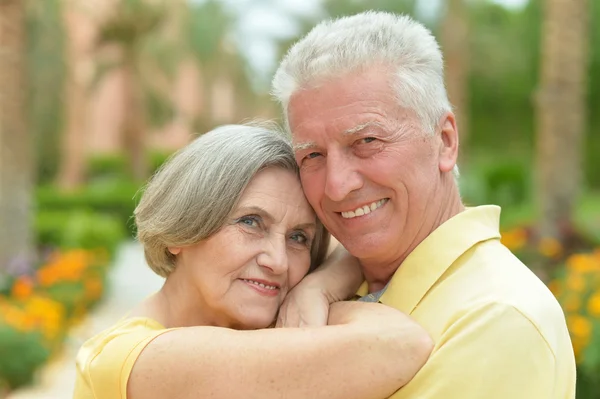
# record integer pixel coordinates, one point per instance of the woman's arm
(337, 279)
(371, 352)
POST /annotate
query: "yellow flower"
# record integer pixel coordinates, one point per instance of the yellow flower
(580, 327)
(550, 247)
(575, 282)
(583, 263)
(594, 305)
(49, 314)
(514, 239)
(572, 303)
(14, 317)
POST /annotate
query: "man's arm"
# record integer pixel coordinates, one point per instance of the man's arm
(492, 352)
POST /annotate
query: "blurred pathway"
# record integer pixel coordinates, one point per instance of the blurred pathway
(130, 282)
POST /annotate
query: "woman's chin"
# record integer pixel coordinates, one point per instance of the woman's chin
(257, 322)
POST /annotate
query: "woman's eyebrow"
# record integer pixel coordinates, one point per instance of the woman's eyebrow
(257, 210)
(306, 226)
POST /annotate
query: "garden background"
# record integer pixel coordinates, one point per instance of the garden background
(96, 94)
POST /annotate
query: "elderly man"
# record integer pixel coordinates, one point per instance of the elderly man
(377, 143)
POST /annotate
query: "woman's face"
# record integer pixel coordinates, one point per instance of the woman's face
(242, 273)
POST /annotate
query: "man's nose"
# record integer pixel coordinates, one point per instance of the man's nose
(342, 177)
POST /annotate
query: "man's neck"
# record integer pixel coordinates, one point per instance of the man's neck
(378, 272)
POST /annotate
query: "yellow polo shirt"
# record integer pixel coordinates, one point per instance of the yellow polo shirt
(498, 331)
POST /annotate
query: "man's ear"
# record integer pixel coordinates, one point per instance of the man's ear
(449, 143)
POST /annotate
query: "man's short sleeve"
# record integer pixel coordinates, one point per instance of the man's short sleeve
(490, 352)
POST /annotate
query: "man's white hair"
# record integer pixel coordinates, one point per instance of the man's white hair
(339, 46)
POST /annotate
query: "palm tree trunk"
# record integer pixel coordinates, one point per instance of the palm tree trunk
(561, 115)
(134, 123)
(561, 112)
(72, 164)
(455, 43)
(16, 160)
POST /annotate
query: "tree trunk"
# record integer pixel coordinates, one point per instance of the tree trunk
(16, 158)
(134, 123)
(561, 115)
(455, 43)
(561, 112)
(71, 171)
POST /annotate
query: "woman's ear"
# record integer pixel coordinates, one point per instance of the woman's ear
(174, 250)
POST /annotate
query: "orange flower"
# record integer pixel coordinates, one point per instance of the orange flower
(22, 288)
(93, 287)
(67, 266)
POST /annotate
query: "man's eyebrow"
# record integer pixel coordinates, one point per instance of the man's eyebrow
(348, 132)
(358, 128)
(305, 146)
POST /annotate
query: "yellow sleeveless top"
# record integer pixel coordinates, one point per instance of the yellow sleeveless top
(105, 361)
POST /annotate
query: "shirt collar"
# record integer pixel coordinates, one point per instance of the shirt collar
(436, 253)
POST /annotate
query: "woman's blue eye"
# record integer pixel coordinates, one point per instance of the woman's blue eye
(249, 221)
(300, 238)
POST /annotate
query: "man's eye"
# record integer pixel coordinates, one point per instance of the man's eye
(313, 155)
(367, 140)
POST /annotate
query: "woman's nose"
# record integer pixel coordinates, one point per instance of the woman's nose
(274, 255)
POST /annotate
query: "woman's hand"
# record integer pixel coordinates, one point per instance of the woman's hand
(307, 305)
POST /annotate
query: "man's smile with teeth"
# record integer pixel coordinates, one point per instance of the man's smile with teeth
(364, 210)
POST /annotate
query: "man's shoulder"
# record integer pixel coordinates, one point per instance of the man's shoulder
(489, 277)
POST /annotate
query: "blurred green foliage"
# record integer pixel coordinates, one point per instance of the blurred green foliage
(79, 228)
(110, 198)
(99, 214)
(507, 183)
(28, 348)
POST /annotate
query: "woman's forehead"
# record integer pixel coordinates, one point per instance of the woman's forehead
(278, 193)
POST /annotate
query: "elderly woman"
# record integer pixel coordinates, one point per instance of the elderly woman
(226, 223)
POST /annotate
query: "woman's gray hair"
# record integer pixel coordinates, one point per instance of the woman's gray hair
(339, 46)
(191, 197)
